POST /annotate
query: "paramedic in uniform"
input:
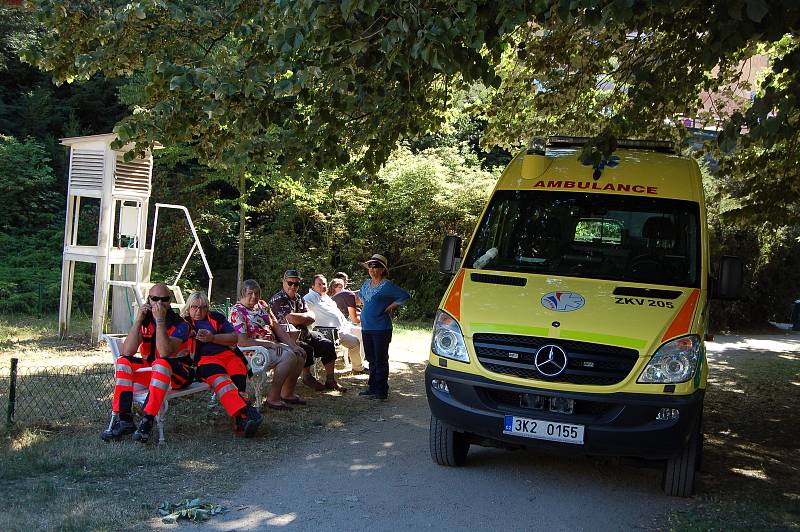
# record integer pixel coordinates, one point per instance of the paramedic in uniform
(219, 364)
(159, 335)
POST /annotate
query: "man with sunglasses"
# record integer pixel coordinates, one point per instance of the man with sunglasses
(160, 336)
(292, 313)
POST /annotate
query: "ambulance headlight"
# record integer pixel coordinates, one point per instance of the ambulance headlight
(448, 340)
(676, 361)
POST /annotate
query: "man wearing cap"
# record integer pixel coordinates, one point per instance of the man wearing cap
(292, 313)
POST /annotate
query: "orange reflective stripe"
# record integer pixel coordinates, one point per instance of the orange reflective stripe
(453, 303)
(683, 321)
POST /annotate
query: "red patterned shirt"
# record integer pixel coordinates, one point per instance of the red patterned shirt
(256, 322)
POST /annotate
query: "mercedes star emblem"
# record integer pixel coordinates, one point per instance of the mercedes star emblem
(550, 360)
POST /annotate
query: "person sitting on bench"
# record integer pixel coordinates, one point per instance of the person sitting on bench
(256, 326)
(328, 315)
(212, 341)
(160, 336)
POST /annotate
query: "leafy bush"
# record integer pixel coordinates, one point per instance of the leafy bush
(413, 202)
(31, 232)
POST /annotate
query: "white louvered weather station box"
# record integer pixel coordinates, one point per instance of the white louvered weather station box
(120, 256)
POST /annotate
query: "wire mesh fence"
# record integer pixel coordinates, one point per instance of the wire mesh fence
(55, 395)
(223, 307)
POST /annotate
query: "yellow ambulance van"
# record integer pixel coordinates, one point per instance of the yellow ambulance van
(576, 318)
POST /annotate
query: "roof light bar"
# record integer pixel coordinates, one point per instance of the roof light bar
(537, 146)
(635, 144)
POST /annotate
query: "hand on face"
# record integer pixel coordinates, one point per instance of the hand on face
(159, 311)
(144, 311)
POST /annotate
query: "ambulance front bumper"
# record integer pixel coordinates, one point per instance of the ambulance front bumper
(618, 424)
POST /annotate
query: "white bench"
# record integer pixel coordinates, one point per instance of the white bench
(257, 360)
(114, 342)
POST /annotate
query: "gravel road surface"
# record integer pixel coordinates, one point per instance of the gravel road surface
(375, 473)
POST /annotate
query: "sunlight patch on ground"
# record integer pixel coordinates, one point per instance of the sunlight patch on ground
(283, 520)
(200, 466)
(779, 344)
(365, 467)
(752, 473)
(27, 439)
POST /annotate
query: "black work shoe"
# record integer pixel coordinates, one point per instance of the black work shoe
(366, 393)
(142, 434)
(249, 422)
(118, 430)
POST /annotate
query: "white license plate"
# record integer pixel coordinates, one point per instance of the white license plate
(543, 430)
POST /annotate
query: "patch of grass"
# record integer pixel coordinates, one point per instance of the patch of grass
(751, 467)
(62, 476)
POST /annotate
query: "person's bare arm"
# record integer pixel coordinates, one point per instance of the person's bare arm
(354, 315)
(245, 341)
(286, 338)
(131, 344)
(204, 335)
(300, 318)
(166, 346)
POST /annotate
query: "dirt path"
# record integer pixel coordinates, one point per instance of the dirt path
(376, 474)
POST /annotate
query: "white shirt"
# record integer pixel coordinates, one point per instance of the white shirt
(326, 313)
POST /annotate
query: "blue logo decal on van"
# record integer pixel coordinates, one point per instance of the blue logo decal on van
(563, 301)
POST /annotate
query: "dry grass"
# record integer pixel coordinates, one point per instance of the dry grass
(751, 468)
(66, 478)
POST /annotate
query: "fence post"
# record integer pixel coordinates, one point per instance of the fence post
(12, 393)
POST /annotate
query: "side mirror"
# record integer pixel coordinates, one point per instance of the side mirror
(449, 259)
(729, 282)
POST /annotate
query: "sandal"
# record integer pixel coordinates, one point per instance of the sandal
(313, 383)
(293, 401)
(279, 406)
(335, 386)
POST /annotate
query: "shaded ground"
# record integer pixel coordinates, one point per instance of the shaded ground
(751, 471)
(353, 464)
(376, 474)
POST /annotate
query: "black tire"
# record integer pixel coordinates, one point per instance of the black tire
(448, 447)
(679, 471)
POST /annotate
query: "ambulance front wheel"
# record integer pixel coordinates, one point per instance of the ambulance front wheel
(679, 471)
(448, 447)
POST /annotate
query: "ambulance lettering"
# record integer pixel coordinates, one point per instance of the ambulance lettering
(589, 185)
(643, 302)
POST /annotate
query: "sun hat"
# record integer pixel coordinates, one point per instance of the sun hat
(288, 274)
(377, 258)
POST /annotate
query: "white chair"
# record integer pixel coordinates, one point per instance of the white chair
(257, 361)
(114, 342)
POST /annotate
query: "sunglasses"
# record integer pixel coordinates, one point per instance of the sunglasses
(375, 265)
(165, 299)
(293, 283)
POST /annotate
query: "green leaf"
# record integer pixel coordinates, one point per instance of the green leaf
(347, 8)
(757, 10)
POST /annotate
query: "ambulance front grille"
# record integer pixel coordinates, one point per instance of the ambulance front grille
(589, 364)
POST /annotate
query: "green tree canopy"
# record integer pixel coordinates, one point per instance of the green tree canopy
(319, 83)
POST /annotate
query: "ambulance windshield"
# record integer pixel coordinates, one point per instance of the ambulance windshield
(599, 236)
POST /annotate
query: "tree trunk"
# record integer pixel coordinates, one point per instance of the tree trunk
(240, 260)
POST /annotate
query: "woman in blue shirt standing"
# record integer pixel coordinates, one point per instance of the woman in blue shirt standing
(381, 297)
